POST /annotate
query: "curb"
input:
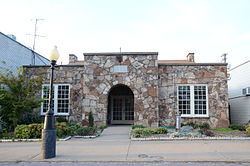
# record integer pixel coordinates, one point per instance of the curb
(188, 138)
(32, 140)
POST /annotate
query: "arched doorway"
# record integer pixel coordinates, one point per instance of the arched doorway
(120, 105)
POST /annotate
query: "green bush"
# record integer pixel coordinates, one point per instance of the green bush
(237, 127)
(102, 127)
(146, 132)
(204, 126)
(91, 119)
(137, 126)
(73, 127)
(160, 130)
(83, 131)
(141, 132)
(62, 129)
(61, 119)
(22, 132)
(35, 130)
(194, 125)
(248, 131)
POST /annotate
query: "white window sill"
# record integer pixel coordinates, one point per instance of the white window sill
(58, 114)
(194, 116)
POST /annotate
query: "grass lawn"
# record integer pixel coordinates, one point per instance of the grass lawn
(224, 130)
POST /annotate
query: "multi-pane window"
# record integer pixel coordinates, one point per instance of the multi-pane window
(60, 99)
(193, 100)
(184, 99)
(200, 100)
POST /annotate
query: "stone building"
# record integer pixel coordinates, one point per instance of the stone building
(137, 88)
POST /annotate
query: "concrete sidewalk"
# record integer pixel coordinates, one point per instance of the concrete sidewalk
(114, 145)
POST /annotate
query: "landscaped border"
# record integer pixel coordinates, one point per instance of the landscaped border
(187, 138)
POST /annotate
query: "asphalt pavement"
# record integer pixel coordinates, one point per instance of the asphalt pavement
(114, 145)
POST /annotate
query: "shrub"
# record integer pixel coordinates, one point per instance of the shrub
(248, 131)
(137, 126)
(207, 132)
(91, 119)
(35, 130)
(61, 119)
(160, 130)
(62, 129)
(204, 126)
(190, 124)
(83, 131)
(73, 127)
(22, 132)
(102, 127)
(146, 132)
(141, 132)
(237, 127)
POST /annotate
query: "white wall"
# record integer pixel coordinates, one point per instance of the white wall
(239, 104)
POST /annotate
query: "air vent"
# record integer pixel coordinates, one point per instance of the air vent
(246, 91)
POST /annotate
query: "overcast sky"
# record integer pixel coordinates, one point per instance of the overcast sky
(173, 28)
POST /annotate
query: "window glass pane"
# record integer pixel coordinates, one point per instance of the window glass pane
(184, 99)
(200, 100)
(45, 104)
(63, 99)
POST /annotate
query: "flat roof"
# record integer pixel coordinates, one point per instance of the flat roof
(119, 53)
(192, 64)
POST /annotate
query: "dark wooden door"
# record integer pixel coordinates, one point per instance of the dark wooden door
(122, 110)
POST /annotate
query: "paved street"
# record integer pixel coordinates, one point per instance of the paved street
(124, 164)
(114, 145)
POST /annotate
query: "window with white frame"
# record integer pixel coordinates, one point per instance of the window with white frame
(60, 99)
(193, 100)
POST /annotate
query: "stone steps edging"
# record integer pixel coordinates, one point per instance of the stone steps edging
(188, 138)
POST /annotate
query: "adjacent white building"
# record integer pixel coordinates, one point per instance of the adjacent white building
(239, 93)
(14, 54)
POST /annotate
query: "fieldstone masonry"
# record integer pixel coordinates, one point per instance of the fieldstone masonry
(151, 83)
(214, 75)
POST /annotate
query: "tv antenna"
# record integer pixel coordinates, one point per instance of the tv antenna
(224, 58)
(35, 35)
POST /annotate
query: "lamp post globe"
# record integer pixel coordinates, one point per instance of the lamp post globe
(49, 130)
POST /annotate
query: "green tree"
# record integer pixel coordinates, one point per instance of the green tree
(18, 96)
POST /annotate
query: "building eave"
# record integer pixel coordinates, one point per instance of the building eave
(120, 53)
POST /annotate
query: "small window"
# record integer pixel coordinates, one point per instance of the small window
(120, 69)
(60, 99)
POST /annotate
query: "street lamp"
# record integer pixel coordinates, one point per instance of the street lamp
(49, 130)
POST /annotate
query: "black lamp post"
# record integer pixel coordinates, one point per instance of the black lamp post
(49, 130)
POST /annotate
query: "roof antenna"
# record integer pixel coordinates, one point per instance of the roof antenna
(120, 49)
(34, 39)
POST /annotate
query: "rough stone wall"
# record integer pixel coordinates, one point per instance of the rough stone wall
(65, 74)
(141, 78)
(215, 76)
(92, 81)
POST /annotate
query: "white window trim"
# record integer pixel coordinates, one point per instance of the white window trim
(192, 113)
(55, 99)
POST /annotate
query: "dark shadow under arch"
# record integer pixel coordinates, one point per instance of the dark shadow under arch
(120, 105)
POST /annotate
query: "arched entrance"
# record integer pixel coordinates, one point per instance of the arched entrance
(120, 105)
